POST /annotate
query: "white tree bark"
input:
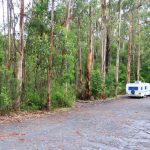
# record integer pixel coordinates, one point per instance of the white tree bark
(104, 42)
(20, 56)
(118, 48)
(139, 53)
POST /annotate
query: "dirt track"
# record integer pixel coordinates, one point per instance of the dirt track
(113, 125)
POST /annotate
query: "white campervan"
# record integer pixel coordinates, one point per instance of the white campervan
(138, 89)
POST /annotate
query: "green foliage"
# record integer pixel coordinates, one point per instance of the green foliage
(65, 68)
(4, 99)
(95, 87)
(33, 101)
(61, 98)
(110, 82)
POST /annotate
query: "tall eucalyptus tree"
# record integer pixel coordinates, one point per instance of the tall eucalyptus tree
(118, 47)
(20, 56)
(50, 57)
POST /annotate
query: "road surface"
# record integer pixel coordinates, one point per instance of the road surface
(122, 124)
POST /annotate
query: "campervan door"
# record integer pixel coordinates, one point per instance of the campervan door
(148, 89)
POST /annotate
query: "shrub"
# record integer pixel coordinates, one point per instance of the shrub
(33, 101)
(110, 82)
(95, 87)
(62, 99)
(4, 100)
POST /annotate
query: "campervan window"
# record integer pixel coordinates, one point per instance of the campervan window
(145, 87)
(133, 88)
(141, 88)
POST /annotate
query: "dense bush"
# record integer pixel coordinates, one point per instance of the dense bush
(70, 53)
(4, 100)
(110, 82)
(62, 99)
(33, 101)
(95, 87)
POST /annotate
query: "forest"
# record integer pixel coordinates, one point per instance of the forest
(54, 52)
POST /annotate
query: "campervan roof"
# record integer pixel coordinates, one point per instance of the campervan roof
(138, 82)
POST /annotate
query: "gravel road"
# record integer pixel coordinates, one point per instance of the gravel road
(122, 124)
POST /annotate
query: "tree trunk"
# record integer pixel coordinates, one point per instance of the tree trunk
(108, 48)
(20, 56)
(129, 50)
(139, 37)
(5, 60)
(67, 20)
(89, 61)
(118, 48)
(50, 58)
(133, 67)
(13, 47)
(104, 43)
(79, 55)
(67, 23)
(9, 32)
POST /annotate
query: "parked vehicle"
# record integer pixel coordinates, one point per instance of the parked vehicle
(138, 89)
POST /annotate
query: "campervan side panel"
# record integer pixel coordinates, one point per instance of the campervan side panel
(135, 90)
